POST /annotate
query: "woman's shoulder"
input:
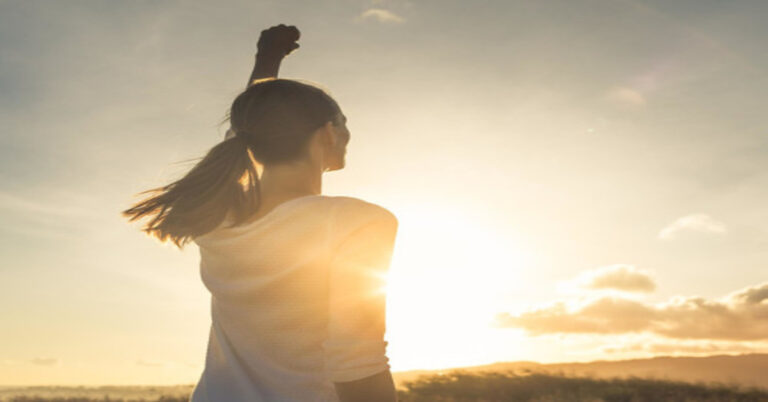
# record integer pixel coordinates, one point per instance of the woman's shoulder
(355, 211)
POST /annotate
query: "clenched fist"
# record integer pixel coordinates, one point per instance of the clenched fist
(278, 41)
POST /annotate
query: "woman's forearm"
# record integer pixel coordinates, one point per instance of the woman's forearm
(265, 67)
(376, 388)
(274, 44)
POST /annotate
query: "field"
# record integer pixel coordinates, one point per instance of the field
(546, 387)
(452, 386)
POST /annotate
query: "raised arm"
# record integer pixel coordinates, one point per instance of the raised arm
(274, 44)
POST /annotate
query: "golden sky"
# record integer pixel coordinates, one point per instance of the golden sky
(574, 180)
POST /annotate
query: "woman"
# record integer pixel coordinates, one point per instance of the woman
(296, 277)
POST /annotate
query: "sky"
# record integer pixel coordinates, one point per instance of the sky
(573, 180)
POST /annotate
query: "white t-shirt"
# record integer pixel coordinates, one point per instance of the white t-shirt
(297, 300)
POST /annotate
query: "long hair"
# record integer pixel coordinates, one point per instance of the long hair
(273, 121)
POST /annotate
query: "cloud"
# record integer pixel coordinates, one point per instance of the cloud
(164, 363)
(381, 15)
(151, 363)
(695, 222)
(683, 347)
(24, 205)
(44, 361)
(31, 213)
(626, 96)
(741, 315)
(621, 277)
(607, 315)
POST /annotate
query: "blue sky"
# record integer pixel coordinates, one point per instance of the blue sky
(574, 138)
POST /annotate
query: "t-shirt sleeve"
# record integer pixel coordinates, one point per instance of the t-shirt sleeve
(355, 346)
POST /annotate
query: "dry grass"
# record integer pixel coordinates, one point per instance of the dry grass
(453, 386)
(460, 386)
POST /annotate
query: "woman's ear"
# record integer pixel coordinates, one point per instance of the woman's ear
(329, 134)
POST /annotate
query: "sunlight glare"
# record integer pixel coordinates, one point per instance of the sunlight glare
(447, 278)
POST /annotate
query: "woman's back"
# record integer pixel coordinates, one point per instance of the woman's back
(296, 300)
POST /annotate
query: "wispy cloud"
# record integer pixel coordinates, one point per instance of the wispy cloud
(685, 347)
(18, 204)
(740, 315)
(45, 361)
(164, 363)
(619, 277)
(380, 15)
(695, 222)
(58, 214)
(626, 96)
(151, 363)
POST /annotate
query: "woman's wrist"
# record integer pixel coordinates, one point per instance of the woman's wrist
(265, 67)
(274, 44)
(267, 59)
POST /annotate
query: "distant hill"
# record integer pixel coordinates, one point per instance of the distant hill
(450, 386)
(746, 370)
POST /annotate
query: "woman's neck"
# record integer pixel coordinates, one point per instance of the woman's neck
(286, 181)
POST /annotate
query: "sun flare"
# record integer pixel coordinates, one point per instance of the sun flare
(447, 279)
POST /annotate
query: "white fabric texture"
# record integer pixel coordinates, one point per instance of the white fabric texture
(297, 300)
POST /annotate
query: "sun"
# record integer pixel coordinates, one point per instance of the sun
(448, 275)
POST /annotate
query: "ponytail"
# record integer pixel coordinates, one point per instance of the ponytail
(224, 180)
(273, 121)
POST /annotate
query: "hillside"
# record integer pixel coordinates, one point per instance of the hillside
(747, 370)
(742, 371)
